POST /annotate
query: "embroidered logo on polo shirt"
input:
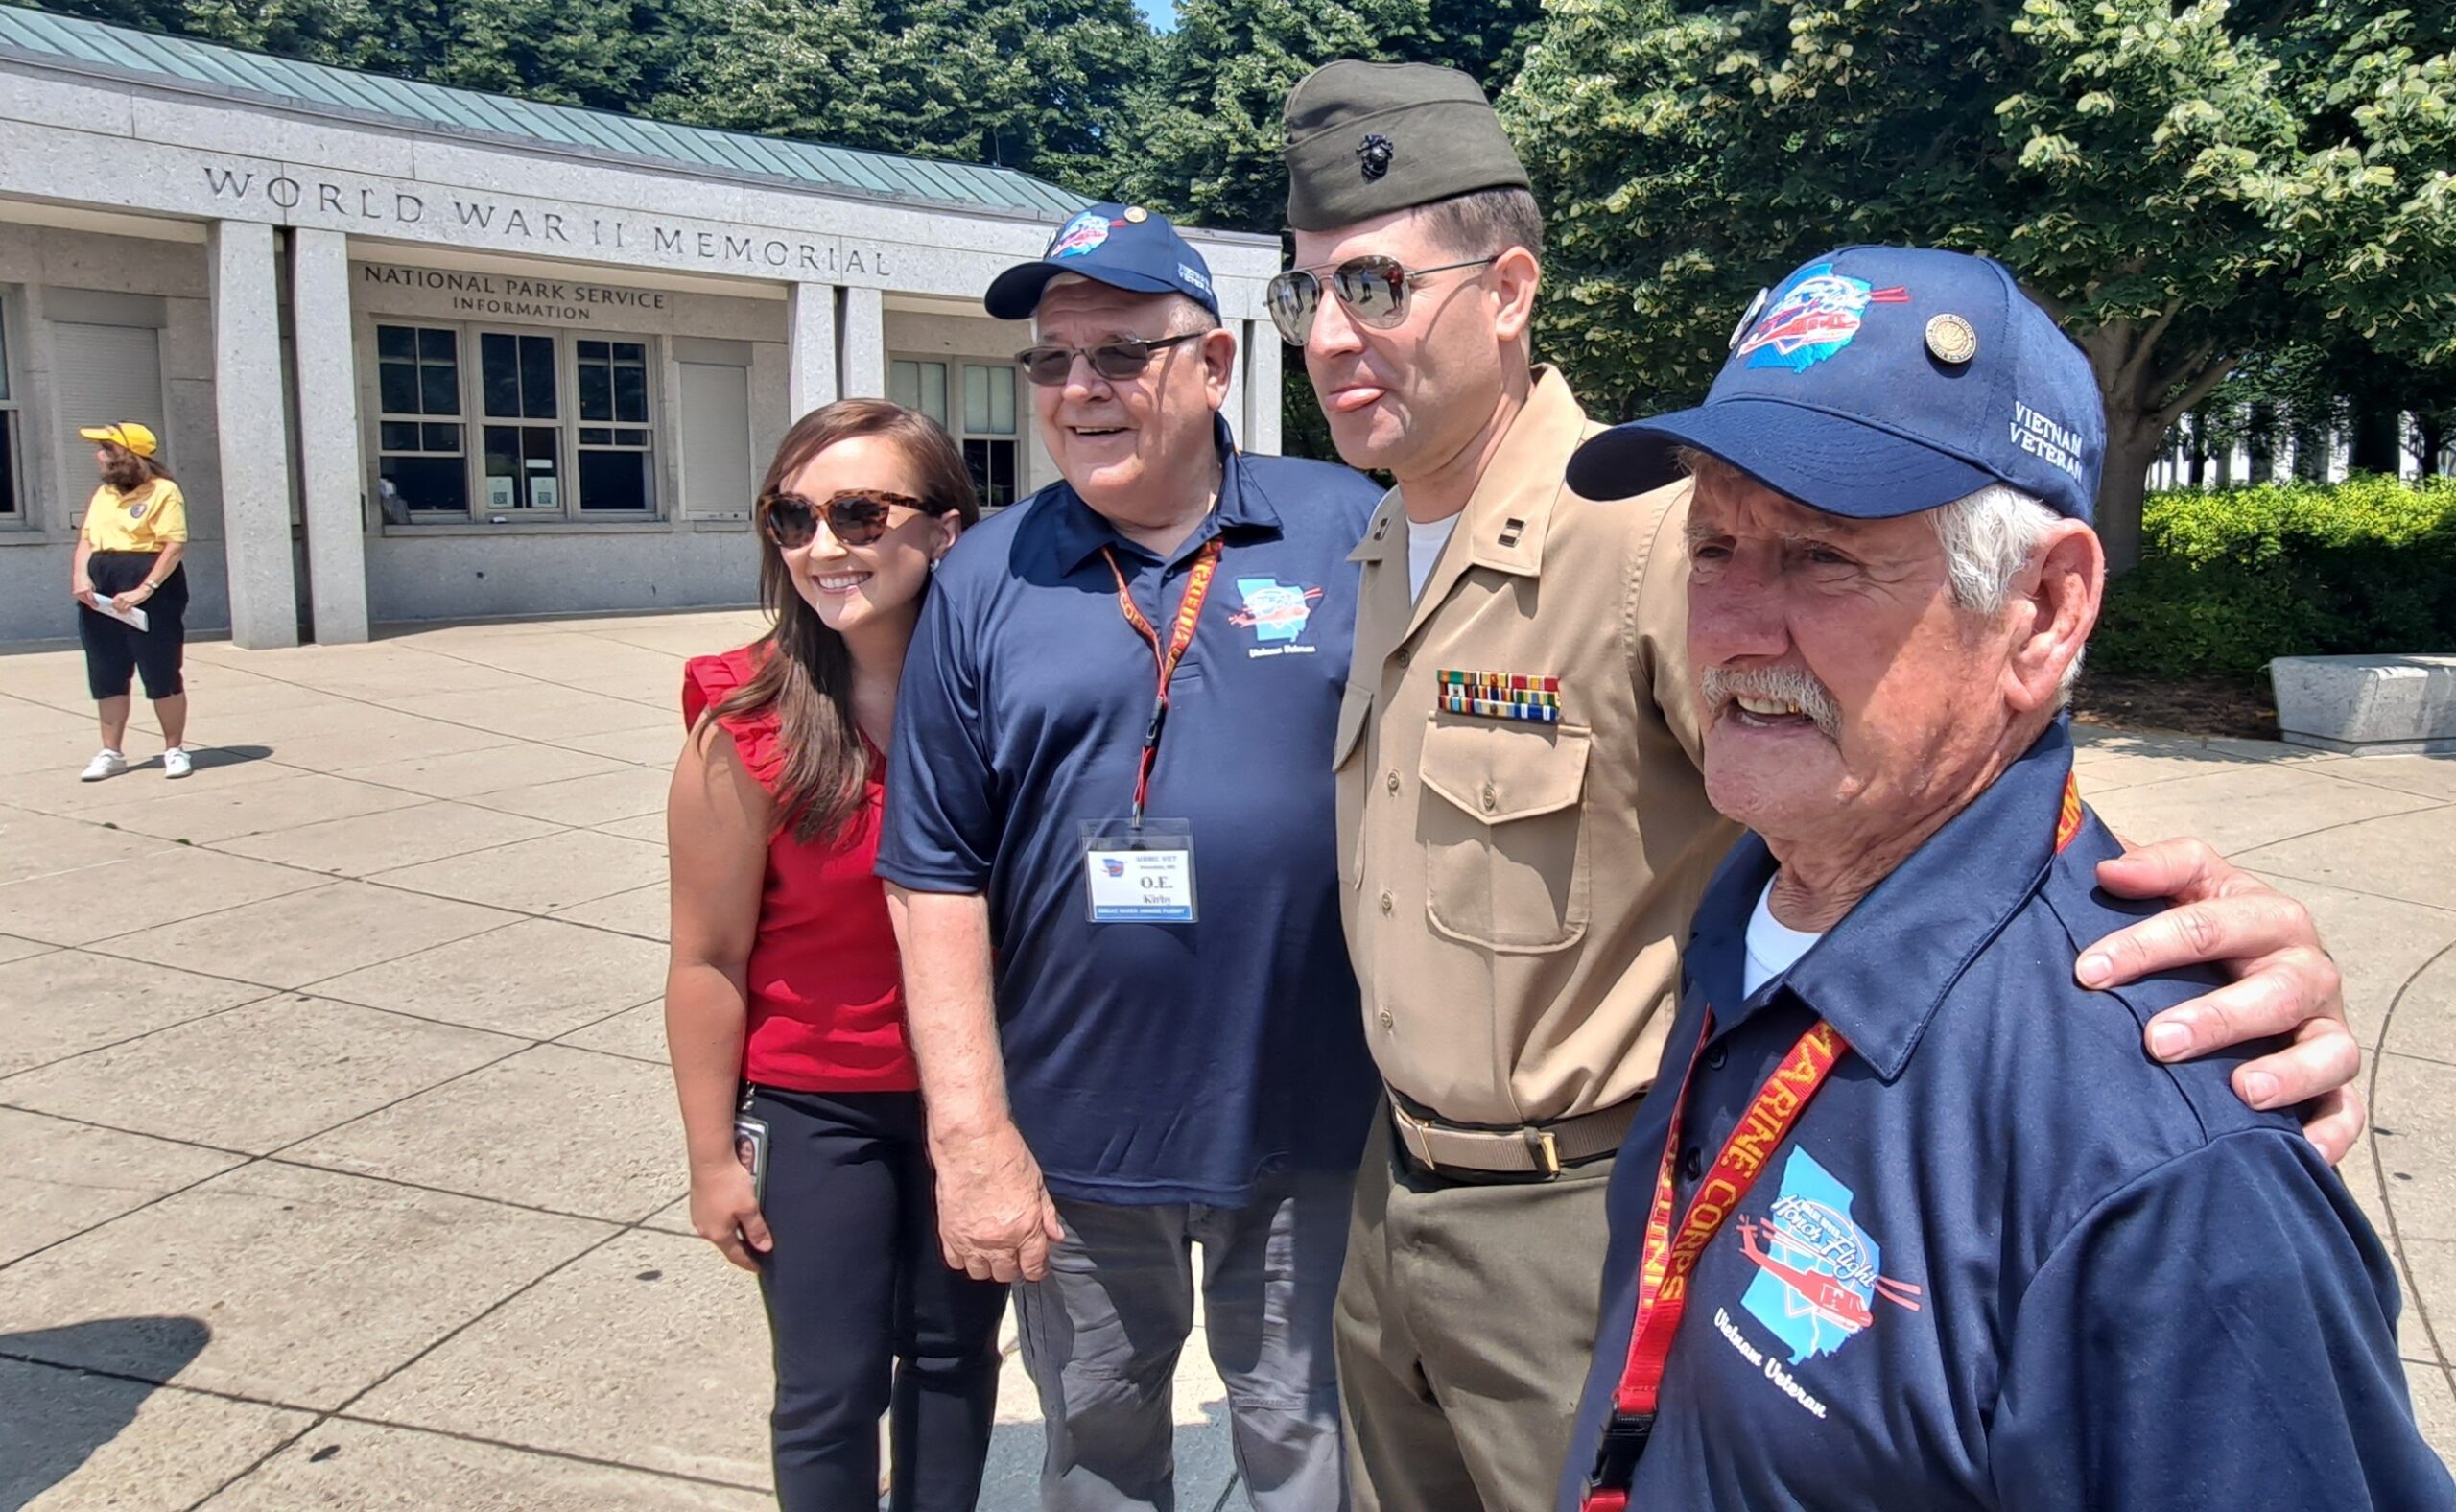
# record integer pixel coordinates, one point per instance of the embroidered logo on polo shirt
(1814, 317)
(1276, 612)
(1817, 1282)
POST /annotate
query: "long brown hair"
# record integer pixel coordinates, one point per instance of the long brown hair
(807, 676)
(128, 472)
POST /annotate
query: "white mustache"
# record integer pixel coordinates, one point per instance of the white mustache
(1786, 684)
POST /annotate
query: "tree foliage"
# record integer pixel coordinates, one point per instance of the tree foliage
(2181, 184)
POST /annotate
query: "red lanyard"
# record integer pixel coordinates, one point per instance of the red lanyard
(1666, 1263)
(1180, 636)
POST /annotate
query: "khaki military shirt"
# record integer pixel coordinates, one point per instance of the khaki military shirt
(1517, 892)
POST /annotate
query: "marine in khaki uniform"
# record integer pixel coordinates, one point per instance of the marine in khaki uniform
(1524, 833)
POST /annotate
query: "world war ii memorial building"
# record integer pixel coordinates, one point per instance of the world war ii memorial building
(420, 353)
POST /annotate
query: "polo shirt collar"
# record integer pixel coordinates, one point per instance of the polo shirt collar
(1879, 975)
(1083, 531)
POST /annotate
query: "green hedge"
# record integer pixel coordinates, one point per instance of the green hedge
(2229, 580)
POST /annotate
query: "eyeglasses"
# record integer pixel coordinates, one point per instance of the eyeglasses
(855, 517)
(1374, 290)
(1051, 367)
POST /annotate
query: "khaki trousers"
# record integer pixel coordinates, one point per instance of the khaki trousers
(1465, 1326)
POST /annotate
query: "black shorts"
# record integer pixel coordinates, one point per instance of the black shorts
(114, 650)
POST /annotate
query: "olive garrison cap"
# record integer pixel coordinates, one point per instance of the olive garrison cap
(1364, 140)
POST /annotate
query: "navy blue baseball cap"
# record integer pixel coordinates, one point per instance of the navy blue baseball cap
(1122, 245)
(1881, 381)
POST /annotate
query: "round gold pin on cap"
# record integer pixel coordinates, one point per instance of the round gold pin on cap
(1136, 214)
(1952, 341)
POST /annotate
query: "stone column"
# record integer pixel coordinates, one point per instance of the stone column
(863, 369)
(810, 345)
(331, 483)
(252, 431)
(1261, 389)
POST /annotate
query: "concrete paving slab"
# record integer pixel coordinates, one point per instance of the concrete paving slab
(345, 751)
(11, 948)
(2378, 944)
(260, 1076)
(539, 979)
(649, 1351)
(2413, 1106)
(645, 911)
(656, 745)
(2426, 1328)
(622, 795)
(538, 711)
(54, 749)
(2434, 1405)
(2409, 856)
(2429, 776)
(649, 827)
(23, 717)
(306, 936)
(367, 1467)
(62, 1178)
(672, 1218)
(202, 812)
(312, 1286)
(515, 764)
(550, 1128)
(69, 1002)
(368, 843)
(162, 890)
(70, 1440)
(2425, 1020)
(551, 871)
(35, 844)
(637, 1033)
(2244, 805)
(61, 792)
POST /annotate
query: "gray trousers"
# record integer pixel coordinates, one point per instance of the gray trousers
(1102, 1333)
(1466, 1323)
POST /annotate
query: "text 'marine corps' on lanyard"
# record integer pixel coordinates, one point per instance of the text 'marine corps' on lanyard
(1668, 1260)
(1139, 870)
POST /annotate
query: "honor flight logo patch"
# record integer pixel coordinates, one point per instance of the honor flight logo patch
(1814, 317)
(1817, 1282)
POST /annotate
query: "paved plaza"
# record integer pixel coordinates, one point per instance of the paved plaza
(339, 1164)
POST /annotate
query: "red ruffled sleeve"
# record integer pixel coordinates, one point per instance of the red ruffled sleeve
(708, 681)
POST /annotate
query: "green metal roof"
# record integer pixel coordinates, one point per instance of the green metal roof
(41, 35)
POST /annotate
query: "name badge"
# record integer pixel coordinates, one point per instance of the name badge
(1138, 874)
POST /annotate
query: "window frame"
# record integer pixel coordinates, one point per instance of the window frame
(571, 506)
(14, 475)
(956, 365)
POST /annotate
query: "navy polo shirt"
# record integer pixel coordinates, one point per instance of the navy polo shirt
(2004, 1258)
(1150, 1063)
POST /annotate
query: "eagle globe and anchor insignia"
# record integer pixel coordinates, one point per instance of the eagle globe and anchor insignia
(1373, 156)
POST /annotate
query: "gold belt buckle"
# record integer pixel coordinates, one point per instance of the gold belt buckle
(1547, 1151)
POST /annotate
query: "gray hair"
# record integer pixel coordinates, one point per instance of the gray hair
(1989, 536)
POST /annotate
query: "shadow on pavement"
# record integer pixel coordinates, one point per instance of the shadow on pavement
(53, 1420)
(209, 757)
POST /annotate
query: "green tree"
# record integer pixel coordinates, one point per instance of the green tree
(1033, 85)
(2181, 184)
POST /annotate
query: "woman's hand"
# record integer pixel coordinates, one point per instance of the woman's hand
(724, 1210)
(125, 602)
(83, 592)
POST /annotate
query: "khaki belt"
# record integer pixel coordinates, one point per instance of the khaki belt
(1538, 1150)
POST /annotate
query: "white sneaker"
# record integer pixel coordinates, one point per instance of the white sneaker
(175, 763)
(106, 764)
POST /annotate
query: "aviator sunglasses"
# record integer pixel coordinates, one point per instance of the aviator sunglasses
(1374, 290)
(855, 517)
(1049, 367)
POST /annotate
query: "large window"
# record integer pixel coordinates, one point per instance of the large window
(13, 488)
(562, 426)
(984, 426)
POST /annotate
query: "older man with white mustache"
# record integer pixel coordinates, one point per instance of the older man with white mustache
(1923, 1224)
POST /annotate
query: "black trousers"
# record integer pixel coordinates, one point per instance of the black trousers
(866, 1316)
(114, 651)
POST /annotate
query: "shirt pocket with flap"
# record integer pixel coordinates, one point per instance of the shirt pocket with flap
(1504, 832)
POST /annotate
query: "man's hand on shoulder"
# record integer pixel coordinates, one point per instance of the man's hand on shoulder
(2284, 984)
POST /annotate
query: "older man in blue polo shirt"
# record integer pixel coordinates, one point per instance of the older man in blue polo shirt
(1921, 1224)
(1109, 844)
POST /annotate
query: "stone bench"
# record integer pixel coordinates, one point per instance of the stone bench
(2368, 706)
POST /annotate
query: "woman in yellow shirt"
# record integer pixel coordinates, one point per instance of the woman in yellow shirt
(133, 594)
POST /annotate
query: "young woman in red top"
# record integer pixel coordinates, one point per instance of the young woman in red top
(784, 997)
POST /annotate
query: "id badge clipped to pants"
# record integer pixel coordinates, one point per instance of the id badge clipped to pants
(1139, 871)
